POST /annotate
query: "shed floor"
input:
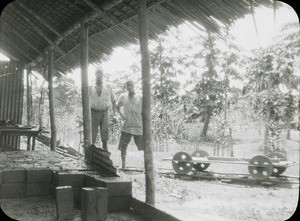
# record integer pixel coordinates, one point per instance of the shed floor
(44, 209)
(39, 159)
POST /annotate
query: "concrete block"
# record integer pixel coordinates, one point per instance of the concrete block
(39, 189)
(69, 179)
(77, 197)
(94, 204)
(64, 203)
(117, 187)
(40, 176)
(119, 203)
(90, 181)
(14, 176)
(12, 190)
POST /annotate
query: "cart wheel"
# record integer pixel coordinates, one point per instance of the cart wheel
(277, 155)
(182, 163)
(260, 167)
(200, 166)
(277, 170)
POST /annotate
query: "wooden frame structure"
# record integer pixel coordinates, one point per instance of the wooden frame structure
(48, 33)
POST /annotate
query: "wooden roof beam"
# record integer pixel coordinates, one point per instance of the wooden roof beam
(13, 45)
(39, 18)
(23, 39)
(106, 15)
(89, 16)
(10, 56)
(38, 30)
(158, 2)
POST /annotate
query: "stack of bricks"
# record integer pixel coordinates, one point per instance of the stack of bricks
(75, 180)
(41, 182)
(64, 203)
(94, 204)
(13, 184)
(119, 191)
(26, 183)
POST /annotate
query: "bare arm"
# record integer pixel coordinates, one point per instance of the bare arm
(119, 104)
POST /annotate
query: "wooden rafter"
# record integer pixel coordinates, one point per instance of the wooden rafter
(16, 47)
(89, 16)
(22, 38)
(37, 30)
(122, 22)
(39, 18)
(9, 55)
(102, 13)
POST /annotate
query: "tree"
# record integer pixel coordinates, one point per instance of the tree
(209, 89)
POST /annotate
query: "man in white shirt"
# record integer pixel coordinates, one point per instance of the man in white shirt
(102, 98)
(131, 114)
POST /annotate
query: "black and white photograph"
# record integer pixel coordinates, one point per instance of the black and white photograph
(149, 110)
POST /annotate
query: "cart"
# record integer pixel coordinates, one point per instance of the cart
(260, 167)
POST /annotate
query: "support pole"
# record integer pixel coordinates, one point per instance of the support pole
(51, 98)
(29, 97)
(147, 135)
(86, 110)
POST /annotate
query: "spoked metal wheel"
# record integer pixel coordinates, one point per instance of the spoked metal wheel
(260, 167)
(182, 163)
(200, 166)
(277, 170)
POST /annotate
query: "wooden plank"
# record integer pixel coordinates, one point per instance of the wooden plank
(150, 212)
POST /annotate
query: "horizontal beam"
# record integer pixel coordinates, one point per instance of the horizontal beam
(39, 18)
(72, 28)
(38, 30)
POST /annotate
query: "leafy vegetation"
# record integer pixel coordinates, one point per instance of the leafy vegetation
(203, 86)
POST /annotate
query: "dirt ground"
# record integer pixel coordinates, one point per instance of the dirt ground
(192, 200)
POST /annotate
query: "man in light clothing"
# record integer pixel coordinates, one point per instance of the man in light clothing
(131, 114)
(102, 98)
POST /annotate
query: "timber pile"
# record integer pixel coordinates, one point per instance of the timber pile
(100, 160)
(63, 150)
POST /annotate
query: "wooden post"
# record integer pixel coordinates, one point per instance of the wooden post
(86, 110)
(51, 98)
(29, 103)
(29, 97)
(147, 135)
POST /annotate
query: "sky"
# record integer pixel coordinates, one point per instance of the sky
(243, 30)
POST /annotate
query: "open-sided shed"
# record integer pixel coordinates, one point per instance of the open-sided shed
(53, 37)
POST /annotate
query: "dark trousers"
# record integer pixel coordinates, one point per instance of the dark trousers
(99, 118)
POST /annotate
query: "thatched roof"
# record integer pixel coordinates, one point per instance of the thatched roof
(28, 28)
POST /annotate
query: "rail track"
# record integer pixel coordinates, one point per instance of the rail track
(228, 178)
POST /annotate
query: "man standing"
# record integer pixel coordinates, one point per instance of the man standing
(131, 114)
(102, 98)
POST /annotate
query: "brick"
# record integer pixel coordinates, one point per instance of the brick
(12, 190)
(14, 176)
(64, 203)
(39, 176)
(68, 179)
(117, 187)
(77, 197)
(94, 204)
(119, 203)
(39, 189)
(90, 181)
